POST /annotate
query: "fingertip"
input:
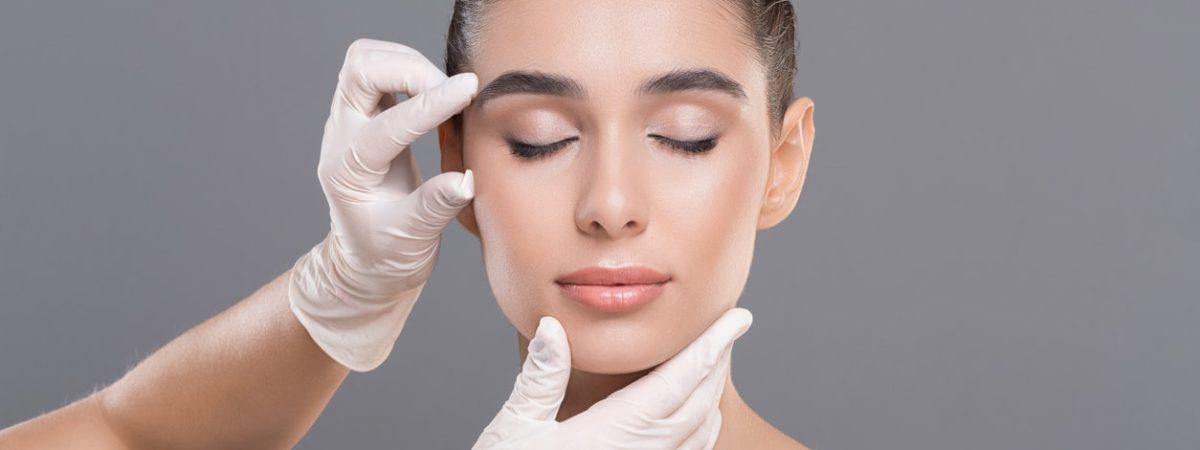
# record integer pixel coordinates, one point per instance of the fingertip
(452, 199)
(551, 341)
(435, 203)
(466, 81)
(550, 327)
(466, 187)
(725, 330)
(542, 383)
(744, 320)
(742, 313)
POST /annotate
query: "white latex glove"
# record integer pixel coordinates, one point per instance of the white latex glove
(355, 289)
(675, 406)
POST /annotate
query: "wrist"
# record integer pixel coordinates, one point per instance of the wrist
(356, 327)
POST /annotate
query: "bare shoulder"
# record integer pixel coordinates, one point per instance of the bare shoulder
(782, 441)
(771, 438)
(743, 428)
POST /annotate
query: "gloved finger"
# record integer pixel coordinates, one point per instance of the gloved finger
(664, 390)
(705, 436)
(375, 68)
(387, 134)
(387, 101)
(707, 395)
(435, 203)
(539, 389)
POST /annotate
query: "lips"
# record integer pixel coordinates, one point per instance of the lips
(604, 276)
(613, 289)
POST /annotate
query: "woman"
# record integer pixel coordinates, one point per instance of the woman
(655, 134)
(659, 137)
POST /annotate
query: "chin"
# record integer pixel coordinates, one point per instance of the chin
(611, 343)
(620, 345)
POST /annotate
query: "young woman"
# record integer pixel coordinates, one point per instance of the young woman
(615, 160)
(654, 135)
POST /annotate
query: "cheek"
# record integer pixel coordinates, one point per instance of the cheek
(702, 217)
(516, 222)
(712, 221)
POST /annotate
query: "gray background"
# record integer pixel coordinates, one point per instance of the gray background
(995, 248)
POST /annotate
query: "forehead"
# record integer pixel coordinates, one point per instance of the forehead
(615, 44)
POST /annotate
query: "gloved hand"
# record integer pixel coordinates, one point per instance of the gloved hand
(354, 290)
(672, 407)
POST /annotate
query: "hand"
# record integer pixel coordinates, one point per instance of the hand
(675, 406)
(354, 290)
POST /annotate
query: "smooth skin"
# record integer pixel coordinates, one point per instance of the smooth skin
(249, 377)
(614, 192)
(252, 376)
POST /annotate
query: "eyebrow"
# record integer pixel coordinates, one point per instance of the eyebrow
(544, 83)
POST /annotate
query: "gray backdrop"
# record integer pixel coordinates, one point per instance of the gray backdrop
(995, 248)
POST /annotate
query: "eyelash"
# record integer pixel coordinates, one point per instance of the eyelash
(530, 151)
(698, 146)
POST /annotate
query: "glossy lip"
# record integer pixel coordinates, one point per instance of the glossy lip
(616, 289)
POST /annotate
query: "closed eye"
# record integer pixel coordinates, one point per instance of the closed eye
(532, 151)
(536, 151)
(698, 146)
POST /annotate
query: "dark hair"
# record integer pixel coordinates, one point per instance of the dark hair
(770, 26)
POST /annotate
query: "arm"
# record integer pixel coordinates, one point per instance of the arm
(250, 377)
(258, 374)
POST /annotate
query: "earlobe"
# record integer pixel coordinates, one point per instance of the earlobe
(450, 141)
(788, 164)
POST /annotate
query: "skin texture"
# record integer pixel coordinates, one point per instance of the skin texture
(249, 377)
(616, 195)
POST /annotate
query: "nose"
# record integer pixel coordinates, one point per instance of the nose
(612, 205)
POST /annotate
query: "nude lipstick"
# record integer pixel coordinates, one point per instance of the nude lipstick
(617, 289)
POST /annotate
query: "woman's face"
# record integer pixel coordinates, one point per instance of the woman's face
(614, 191)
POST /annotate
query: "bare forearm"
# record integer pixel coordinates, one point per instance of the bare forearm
(250, 377)
(78, 425)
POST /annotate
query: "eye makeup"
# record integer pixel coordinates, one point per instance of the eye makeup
(697, 146)
(685, 126)
(531, 151)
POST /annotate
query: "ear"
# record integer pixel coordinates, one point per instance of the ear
(450, 141)
(789, 164)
